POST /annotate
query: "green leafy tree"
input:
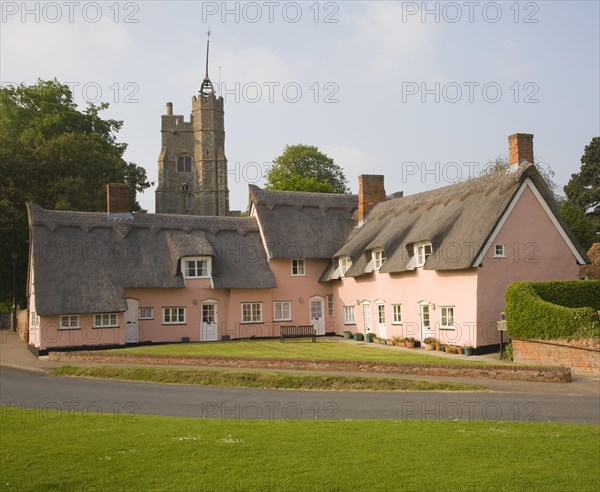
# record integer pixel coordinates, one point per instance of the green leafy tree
(579, 223)
(583, 189)
(58, 157)
(305, 168)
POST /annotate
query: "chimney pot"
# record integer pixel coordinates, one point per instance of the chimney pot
(371, 191)
(117, 198)
(520, 148)
(169, 109)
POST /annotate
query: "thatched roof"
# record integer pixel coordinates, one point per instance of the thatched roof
(301, 224)
(83, 261)
(457, 220)
(592, 270)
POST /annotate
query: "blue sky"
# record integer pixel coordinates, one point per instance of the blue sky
(424, 93)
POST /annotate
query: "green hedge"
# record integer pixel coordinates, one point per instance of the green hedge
(556, 309)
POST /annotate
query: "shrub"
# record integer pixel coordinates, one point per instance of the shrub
(556, 309)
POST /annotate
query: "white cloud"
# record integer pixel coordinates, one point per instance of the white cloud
(390, 38)
(65, 50)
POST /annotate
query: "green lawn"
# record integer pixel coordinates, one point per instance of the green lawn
(273, 380)
(45, 450)
(324, 349)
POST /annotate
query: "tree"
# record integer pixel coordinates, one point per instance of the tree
(583, 189)
(57, 157)
(305, 168)
(578, 222)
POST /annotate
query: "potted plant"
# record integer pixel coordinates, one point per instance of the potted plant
(429, 343)
(347, 335)
(370, 337)
(382, 341)
(451, 349)
(402, 342)
(461, 350)
(468, 349)
(438, 345)
(389, 342)
(410, 342)
(358, 337)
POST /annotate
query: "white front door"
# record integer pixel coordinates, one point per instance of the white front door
(381, 330)
(209, 329)
(131, 321)
(366, 309)
(425, 315)
(317, 318)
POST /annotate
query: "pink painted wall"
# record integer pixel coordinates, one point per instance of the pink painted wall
(299, 289)
(534, 251)
(456, 289)
(50, 335)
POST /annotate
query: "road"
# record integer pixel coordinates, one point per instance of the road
(25, 389)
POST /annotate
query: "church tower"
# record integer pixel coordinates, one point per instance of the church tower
(192, 167)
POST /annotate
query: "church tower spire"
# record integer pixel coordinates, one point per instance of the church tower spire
(192, 167)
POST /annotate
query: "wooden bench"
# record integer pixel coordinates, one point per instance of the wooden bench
(300, 331)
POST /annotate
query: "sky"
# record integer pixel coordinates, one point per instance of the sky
(425, 93)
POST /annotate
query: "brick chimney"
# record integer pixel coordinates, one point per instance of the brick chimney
(371, 191)
(117, 198)
(520, 148)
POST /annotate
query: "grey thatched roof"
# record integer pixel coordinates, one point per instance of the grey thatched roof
(83, 261)
(457, 220)
(303, 225)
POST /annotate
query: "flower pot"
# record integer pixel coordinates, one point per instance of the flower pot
(358, 337)
(389, 342)
(443, 348)
(429, 346)
(468, 350)
(461, 350)
(369, 337)
(410, 344)
(438, 347)
(347, 335)
(382, 341)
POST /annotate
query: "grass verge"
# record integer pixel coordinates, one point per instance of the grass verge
(324, 349)
(272, 380)
(53, 450)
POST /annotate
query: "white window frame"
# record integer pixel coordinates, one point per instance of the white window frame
(378, 258)
(195, 260)
(35, 319)
(396, 314)
(105, 320)
(349, 315)
(72, 322)
(254, 309)
(178, 311)
(421, 254)
(279, 311)
(444, 313)
(298, 267)
(330, 305)
(381, 314)
(151, 316)
(345, 264)
(499, 251)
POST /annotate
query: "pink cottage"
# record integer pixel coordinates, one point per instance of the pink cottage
(432, 264)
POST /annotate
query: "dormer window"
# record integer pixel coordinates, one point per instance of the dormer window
(184, 163)
(378, 258)
(197, 267)
(423, 250)
(298, 268)
(345, 264)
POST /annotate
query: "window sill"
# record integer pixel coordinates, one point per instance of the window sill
(105, 327)
(178, 323)
(350, 324)
(145, 319)
(397, 323)
(447, 328)
(286, 320)
(251, 322)
(67, 329)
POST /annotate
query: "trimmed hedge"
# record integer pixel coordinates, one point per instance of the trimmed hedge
(557, 309)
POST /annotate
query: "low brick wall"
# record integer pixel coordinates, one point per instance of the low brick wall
(519, 373)
(582, 356)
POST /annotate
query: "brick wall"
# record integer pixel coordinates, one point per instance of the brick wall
(513, 372)
(117, 198)
(23, 324)
(520, 148)
(582, 356)
(371, 191)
